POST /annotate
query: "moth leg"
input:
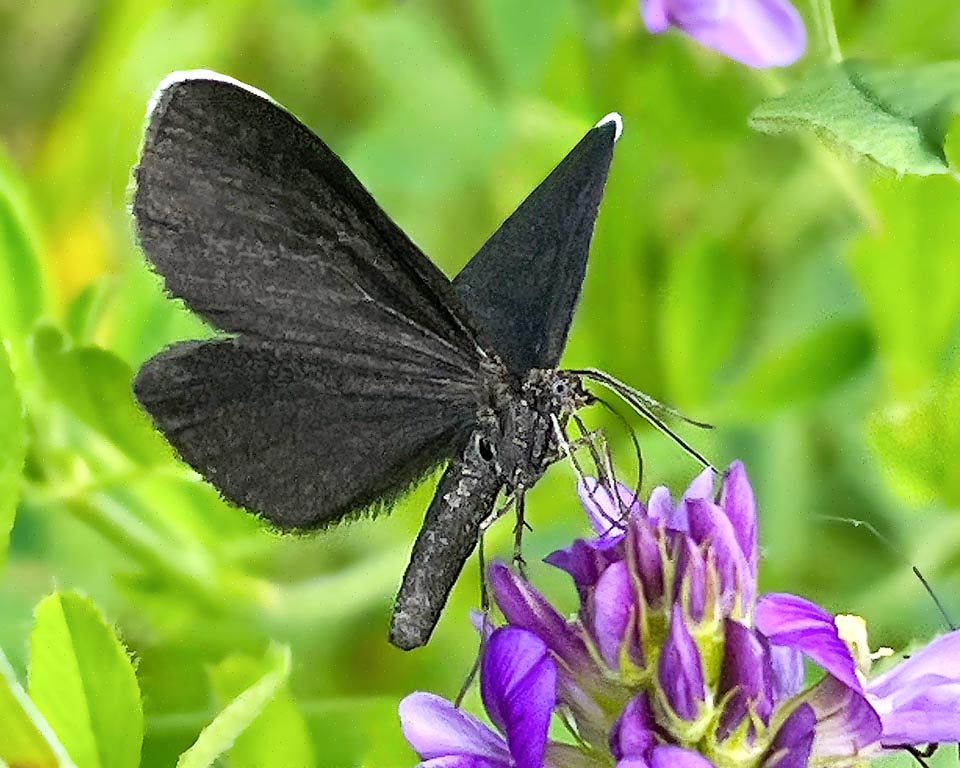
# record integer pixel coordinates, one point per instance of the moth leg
(569, 448)
(588, 439)
(611, 473)
(519, 563)
(485, 624)
(633, 438)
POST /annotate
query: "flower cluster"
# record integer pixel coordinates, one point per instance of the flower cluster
(673, 660)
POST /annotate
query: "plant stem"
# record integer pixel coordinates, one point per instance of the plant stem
(830, 30)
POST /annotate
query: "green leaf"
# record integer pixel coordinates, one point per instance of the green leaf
(25, 737)
(96, 386)
(909, 276)
(897, 116)
(806, 370)
(220, 735)
(83, 682)
(278, 737)
(11, 451)
(21, 285)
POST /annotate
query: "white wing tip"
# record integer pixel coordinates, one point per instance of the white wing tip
(613, 117)
(198, 74)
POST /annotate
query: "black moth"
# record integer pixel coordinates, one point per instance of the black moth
(350, 365)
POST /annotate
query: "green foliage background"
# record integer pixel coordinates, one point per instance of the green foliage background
(798, 294)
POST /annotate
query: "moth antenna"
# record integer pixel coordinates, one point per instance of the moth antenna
(651, 403)
(643, 408)
(633, 437)
(899, 553)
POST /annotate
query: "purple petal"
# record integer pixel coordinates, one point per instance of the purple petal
(666, 756)
(792, 745)
(847, 725)
(648, 560)
(758, 33)
(633, 734)
(679, 518)
(702, 485)
(524, 607)
(709, 525)
(941, 657)
(691, 587)
(586, 559)
(788, 672)
(606, 512)
(518, 683)
(792, 621)
(482, 622)
(463, 761)
(681, 672)
(632, 762)
(926, 712)
(746, 671)
(435, 728)
(655, 15)
(660, 507)
(614, 612)
(740, 507)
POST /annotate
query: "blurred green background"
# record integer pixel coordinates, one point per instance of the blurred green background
(805, 303)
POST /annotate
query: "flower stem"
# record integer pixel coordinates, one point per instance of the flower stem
(829, 26)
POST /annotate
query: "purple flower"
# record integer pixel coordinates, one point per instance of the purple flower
(758, 33)
(518, 686)
(916, 702)
(672, 661)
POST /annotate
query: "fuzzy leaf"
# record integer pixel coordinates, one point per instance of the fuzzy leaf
(96, 386)
(896, 116)
(278, 737)
(83, 682)
(221, 734)
(11, 451)
(25, 737)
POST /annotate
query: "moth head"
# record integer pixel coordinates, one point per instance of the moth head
(568, 392)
